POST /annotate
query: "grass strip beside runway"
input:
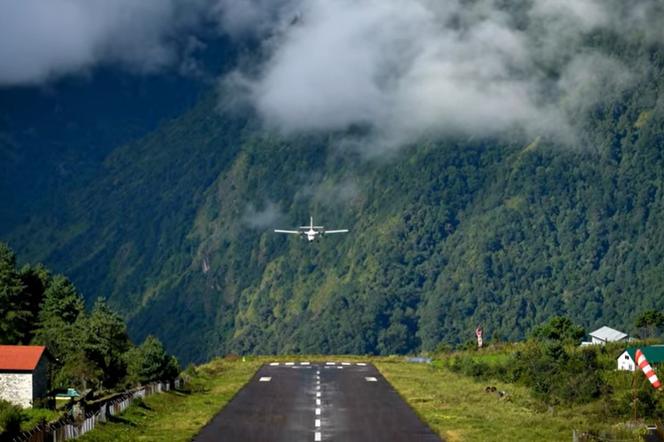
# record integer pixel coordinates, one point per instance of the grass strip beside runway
(458, 408)
(178, 416)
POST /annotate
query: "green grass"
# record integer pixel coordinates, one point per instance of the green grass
(33, 416)
(458, 408)
(177, 416)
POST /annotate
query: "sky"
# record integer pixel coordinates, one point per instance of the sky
(402, 69)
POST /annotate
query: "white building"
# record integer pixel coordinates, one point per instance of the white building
(23, 374)
(606, 334)
(653, 353)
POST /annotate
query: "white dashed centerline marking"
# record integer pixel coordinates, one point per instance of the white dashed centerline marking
(274, 364)
(318, 402)
(317, 423)
(317, 411)
(361, 364)
(289, 363)
(317, 436)
(371, 379)
(318, 394)
(345, 363)
(330, 363)
(265, 379)
(304, 363)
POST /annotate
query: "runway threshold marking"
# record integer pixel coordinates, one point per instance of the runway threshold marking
(265, 379)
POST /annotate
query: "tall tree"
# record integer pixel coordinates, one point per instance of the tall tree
(57, 327)
(106, 342)
(14, 316)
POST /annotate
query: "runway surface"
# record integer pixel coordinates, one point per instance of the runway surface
(329, 401)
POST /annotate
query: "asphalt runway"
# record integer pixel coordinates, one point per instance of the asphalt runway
(329, 401)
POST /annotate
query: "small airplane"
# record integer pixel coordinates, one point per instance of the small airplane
(311, 232)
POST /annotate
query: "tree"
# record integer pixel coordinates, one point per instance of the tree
(150, 362)
(106, 342)
(559, 328)
(649, 322)
(57, 327)
(14, 318)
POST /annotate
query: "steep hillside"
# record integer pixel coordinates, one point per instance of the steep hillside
(175, 230)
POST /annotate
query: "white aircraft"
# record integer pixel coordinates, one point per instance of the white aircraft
(311, 232)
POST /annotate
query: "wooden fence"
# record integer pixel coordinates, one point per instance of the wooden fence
(71, 426)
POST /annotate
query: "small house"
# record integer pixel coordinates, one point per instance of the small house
(653, 353)
(24, 374)
(606, 334)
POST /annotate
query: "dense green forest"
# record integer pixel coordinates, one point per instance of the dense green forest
(87, 350)
(506, 231)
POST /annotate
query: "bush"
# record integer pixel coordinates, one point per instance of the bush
(11, 417)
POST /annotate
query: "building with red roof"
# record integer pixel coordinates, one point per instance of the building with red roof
(23, 374)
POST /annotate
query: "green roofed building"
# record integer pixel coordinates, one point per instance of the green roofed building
(653, 353)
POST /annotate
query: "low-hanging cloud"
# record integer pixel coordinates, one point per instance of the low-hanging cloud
(267, 216)
(407, 70)
(43, 40)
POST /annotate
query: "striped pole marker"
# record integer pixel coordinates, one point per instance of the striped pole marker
(647, 369)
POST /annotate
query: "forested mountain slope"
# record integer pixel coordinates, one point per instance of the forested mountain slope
(447, 233)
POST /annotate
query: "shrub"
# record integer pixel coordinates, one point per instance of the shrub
(11, 417)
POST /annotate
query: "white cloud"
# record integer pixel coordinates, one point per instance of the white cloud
(40, 40)
(263, 218)
(420, 68)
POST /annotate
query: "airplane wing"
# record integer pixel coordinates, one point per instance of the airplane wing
(287, 231)
(336, 231)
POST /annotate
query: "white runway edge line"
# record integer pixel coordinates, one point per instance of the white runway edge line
(289, 363)
(330, 363)
(362, 364)
(304, 363)
(274, 364)
(265, 379)
(345, 363)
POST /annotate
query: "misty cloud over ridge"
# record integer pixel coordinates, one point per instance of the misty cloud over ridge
(422, 67)
(41, 40)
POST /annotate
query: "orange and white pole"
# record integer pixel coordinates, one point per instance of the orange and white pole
(643, 364)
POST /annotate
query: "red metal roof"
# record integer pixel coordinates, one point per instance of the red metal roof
(20, 357)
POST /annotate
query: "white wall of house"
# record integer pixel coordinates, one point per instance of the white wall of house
(625, 362)
(16, 388)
